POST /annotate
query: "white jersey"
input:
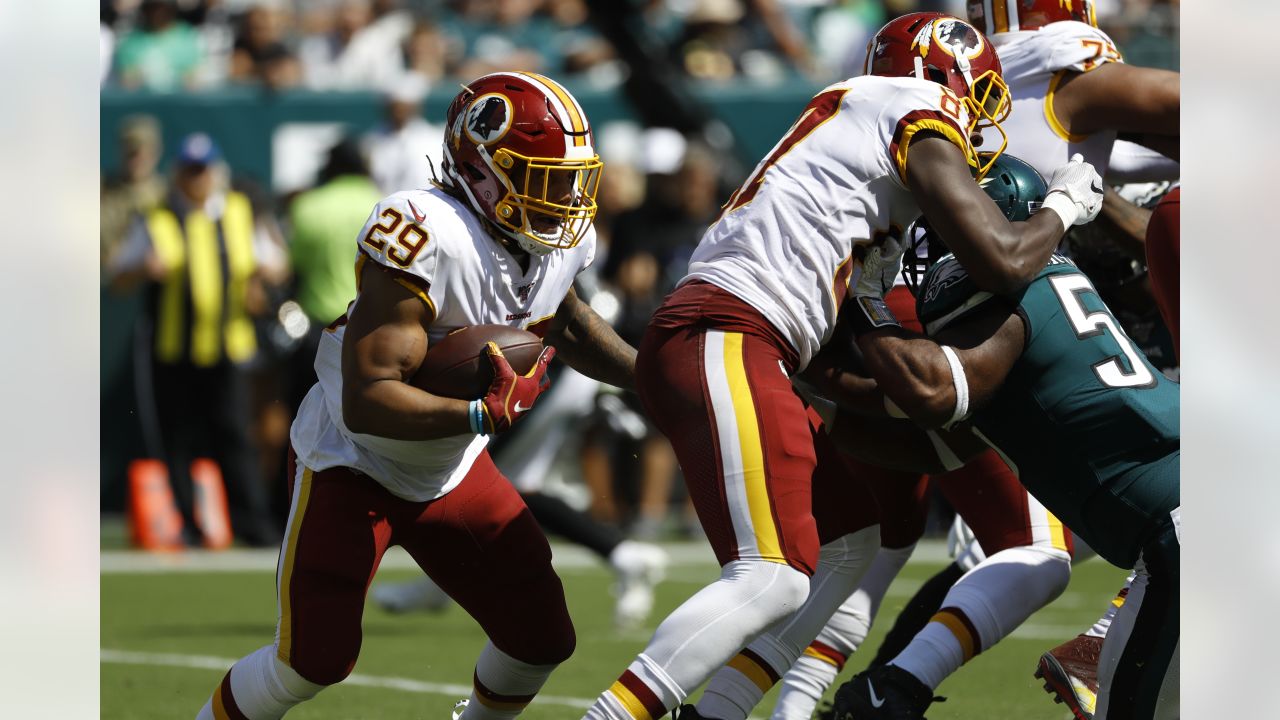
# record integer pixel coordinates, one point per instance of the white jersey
(1034, 62)
(790, 240)
(435, 246)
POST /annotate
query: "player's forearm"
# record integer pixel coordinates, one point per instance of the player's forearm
(1126, 221)
(392, 409)
(1012, 254)
(589, 345)
(912, 371)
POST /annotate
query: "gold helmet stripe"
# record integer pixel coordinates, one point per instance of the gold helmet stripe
(573, 112)
(1000, 15)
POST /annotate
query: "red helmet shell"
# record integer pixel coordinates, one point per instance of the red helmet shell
(997, 16)
(938, 40)
(502, 122)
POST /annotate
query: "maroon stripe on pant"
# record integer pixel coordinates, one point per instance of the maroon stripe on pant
(766, 667)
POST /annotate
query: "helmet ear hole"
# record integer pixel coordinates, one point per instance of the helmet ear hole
(476, 175)
(936, 74)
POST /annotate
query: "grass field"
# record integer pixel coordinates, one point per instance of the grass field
(172, 625)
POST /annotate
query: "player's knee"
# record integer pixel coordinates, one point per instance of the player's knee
(297, 686)
(551, 646)
(321, 669)
(773, 589)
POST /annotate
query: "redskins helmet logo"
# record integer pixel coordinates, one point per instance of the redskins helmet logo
(488, 119)
(957, 38)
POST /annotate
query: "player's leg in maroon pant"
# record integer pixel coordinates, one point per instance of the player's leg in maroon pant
(337, 533)
(1164, 251)
(1028, 564)
(742, 436)
(998, 509)
(482, 546)
(717, 385)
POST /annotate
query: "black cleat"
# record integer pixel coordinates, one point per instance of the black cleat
(882, 693)
(687, 712)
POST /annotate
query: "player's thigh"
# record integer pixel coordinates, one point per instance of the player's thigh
(336, 535)
(999, 510)
(742, 436)
(902, 499)
(482, 546)
(842, 501)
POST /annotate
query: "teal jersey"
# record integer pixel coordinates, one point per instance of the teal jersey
(1089, 425)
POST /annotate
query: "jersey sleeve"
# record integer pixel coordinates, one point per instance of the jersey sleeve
(1078, 47)
(398, 239)
(923, 106)
(589, 251)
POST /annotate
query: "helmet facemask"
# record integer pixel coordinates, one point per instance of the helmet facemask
(988, 104)
(549, 202)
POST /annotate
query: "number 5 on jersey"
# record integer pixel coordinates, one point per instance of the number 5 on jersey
(1111, 372)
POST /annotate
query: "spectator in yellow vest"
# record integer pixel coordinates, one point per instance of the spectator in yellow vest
(201, 255)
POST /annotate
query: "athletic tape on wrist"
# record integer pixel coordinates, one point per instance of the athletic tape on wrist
(961, 384)
(475, 416)
(1066, 208)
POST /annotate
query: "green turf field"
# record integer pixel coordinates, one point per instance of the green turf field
(167, 638)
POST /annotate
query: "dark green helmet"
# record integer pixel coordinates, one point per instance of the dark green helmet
(1017, 189)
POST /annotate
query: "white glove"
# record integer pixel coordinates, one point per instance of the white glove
(1075, 192)
(880, 267)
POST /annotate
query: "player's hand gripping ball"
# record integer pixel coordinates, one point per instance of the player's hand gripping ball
(511, 395)
(458, 365)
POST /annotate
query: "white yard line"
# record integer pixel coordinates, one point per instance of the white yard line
(206, 662)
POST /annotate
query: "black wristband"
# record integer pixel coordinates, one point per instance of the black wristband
(870, 313)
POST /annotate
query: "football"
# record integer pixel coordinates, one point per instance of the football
(458, 367)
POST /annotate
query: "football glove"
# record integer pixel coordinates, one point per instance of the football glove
(880, 267)
(510, 395)
(1075, 192)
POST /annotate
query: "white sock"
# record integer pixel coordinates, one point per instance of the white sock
(814, 672)
(1099, 629)
(803, 686)
(738, 687)
(503, 686)
(261, 687)
(984, 606)
(702, 635)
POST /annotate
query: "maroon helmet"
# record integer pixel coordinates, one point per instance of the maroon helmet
(952, 53)
(997, 16)
(518, 146)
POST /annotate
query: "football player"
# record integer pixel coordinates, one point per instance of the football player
(1030, 551)
(1049, 379)
(1074, 94)
(381, 462)
(820, 219)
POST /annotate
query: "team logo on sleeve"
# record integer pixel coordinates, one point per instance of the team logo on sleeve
(488, 118)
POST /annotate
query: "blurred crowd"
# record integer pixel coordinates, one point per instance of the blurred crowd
(285, 262)
(167, 45)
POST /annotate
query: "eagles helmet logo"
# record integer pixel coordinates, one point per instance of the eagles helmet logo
(488, 119)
